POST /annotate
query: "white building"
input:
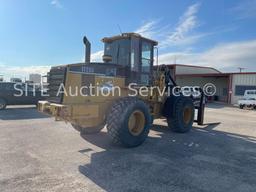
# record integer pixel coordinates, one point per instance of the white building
(35, 78)
(241, 82)
(230, 86)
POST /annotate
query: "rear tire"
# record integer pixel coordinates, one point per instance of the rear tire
(88, 130)
(2, 104)
(128, 122)
(182, 117)
(241, 106)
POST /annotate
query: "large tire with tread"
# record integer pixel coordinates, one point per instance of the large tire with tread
(88, 130)
(182, 117)
(129, 121)
(2, 104)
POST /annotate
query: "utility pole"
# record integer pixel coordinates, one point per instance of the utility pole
(175, 59)
(1, 78)
(241, 69)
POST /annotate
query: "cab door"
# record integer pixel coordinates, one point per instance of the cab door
(146, 62)
(4, 93)
(8, 93)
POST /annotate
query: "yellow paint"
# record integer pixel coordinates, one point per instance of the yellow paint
(89, 111)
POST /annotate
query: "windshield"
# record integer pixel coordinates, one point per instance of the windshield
(119, 51)
(146, 50)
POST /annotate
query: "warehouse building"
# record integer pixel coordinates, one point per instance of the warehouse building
(230, 87)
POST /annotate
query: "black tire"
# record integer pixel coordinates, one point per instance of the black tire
(2, 104)
(88, 130)
(119, 122)
(241, 106)
(182, 117)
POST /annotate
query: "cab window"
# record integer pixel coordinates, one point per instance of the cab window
(119, 51)
(146, 52)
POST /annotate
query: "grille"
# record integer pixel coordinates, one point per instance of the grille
(56, 77)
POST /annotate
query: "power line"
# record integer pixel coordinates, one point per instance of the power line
(120, 30)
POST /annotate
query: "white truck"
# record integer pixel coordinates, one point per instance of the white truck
(249, 100)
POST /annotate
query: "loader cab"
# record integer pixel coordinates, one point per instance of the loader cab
(133, 52)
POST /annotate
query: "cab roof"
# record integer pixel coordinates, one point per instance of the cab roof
(127, 36)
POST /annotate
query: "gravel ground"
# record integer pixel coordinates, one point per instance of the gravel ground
(39, 154)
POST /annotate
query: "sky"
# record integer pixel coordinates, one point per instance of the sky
(35, 35)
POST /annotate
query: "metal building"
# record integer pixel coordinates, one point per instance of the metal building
(230, 87)
(241, 82)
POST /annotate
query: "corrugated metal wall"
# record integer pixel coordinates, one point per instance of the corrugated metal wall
(241, 79)
(221, 83)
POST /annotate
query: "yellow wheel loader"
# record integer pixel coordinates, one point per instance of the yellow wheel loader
(125, 92)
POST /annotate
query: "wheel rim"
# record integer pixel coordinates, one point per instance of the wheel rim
(187, 115)
(136, 122)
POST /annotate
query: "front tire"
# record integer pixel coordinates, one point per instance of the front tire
(128, 122)
(182, 117)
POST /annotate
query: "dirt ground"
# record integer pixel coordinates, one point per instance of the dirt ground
(39, 154)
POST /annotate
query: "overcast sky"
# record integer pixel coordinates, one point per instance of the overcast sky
(35, 35)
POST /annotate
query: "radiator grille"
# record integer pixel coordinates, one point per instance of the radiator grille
(56, 77)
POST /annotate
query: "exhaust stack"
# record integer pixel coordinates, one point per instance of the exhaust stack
(87, 50)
